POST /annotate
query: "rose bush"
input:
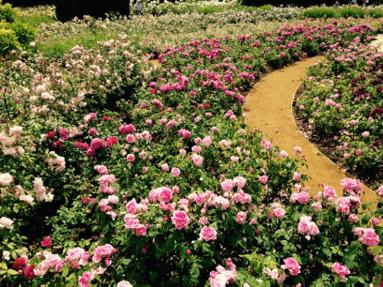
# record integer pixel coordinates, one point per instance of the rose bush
(342, 105)
(152, 179)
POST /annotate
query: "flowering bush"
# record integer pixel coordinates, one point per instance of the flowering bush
(342, 105)
(164, 186)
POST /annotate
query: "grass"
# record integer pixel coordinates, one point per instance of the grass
(342, 12)
(35, 16)
(88, 39)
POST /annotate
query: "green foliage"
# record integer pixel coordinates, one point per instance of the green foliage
(24, 33)
(8, 40)
(320, 12)
(342, 12)
(13, 34)
(353, 12)
(7, 13)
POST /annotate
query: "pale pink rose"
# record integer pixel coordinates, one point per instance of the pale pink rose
(101, 169)
(239, 181)
(297, 176)
(242, 197)
(131, 206)
(203, 220)
(340, 269)
(175, 172)
(343, 205)
(266, 144)
(16, 131)
(241, 217)
(307, 227)
(130, 222)
(77, 257)
(292, 266)
(6, 222)
(165, 167)
(197, 160)
(103, 251)
(5, 179)
(354, 218)
(263, 179)
(124, 283)
(369, 237)
(375, 221)
(365, 134)
(277, 212)
(180, 219)
(283, 154)
(207, 141)
(227, 185)
(317, 206)
(352, 186)
(208, 233)
(300, 197)
(196, 149)
(222, 202)
(329, 192)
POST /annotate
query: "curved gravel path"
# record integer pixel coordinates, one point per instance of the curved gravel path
(268, 108)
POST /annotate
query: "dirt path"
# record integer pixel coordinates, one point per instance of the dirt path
(378, 42)
(268, 108)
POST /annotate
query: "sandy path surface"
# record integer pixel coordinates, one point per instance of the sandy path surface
(268, 108)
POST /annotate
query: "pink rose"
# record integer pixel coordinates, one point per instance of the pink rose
(197, 160)
(292, 266)
(263, 179)
(227, 185)
(130, 157)
(180, 219)
(241, 217)
(164, 194)
(175, 172)
(300, 197)
(239, 181)
(208, 233)
(340, 269)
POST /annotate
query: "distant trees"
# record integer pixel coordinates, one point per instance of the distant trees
(303, 3)
(68, 9)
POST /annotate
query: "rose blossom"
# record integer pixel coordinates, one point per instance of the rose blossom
(263, 179)
(340, 269)
(227, 185)
(124, 283)
(5, 179)
(241, 217)
(208, 233)
(6, 222)
(292, 266)
(180, 219)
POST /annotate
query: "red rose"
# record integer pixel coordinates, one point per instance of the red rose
(19, 263)
(46, 242)
(28, 272)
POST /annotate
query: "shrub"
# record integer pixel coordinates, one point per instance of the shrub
(7, 13)
(320, 12)
(24, 33)
(353, 12)
(375, 12)
(8, 40)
